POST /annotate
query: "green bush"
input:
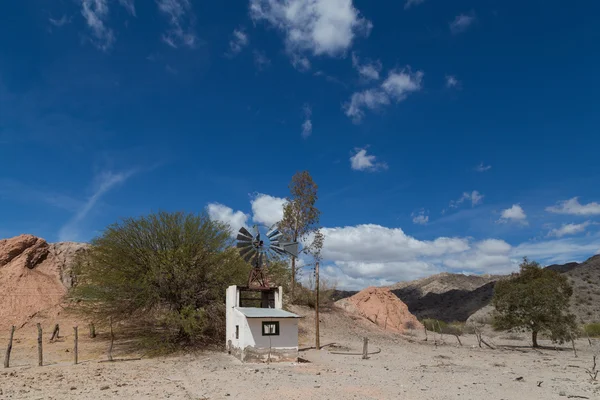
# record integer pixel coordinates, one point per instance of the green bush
(434, 325)
(592, 330)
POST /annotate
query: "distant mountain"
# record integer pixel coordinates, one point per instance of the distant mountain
(447, 297)
(454, 297)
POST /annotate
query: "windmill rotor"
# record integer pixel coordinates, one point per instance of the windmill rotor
(256, 249)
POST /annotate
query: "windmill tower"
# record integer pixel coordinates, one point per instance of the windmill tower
(258, 329)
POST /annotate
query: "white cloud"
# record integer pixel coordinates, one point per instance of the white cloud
(180, 31)
(559, 250)
(410, 3)
(451, 81)
(307, 125)
(104, 182)
(261, 62)
(462, 22)
(474, 197)
(238, 41)
(573, 207)
(355, 257)
(320, 27)
(420, 218)
(514, 214)
(371, 99)
(235, 219)
(569, 229)
(129, 6)
(398, 85)
(267, 210)
(482, 167)
(361, 161)
(369, 70)
(60, 22)
(95, 13)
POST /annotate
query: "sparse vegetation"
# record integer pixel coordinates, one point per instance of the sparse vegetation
(592, 330)
(535, 300)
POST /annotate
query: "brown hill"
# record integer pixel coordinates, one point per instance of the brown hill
(447, 297)
(382, 307)
(34, 277)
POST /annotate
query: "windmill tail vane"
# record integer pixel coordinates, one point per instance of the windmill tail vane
(256, 249)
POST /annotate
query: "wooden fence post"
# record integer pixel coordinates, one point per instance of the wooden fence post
(92, 330)
(365, 348)
(317, 334)
(40, 351)
(9, 348)
(75, 345)
(55, 333)
(112, 339)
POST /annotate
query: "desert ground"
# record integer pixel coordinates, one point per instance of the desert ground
(406, 368)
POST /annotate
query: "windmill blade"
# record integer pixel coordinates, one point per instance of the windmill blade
(241, 244)
(249, 256)
(274, 234)
(245, 235)
(279, 250)
(246, 250)
(290, 248)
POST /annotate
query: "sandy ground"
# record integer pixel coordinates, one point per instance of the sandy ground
(406, 368)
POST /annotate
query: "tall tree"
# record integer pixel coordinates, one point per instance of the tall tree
(535, 299)
(301, 217)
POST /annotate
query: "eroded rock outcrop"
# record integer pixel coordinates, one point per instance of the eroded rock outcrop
(34, 277)
(382, 307)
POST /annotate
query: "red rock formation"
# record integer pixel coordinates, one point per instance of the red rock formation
(382, 307)
(34, 277)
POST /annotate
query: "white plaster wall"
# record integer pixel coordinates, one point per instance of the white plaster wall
(287, 338)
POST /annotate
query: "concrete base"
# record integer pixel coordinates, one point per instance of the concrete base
(262, 355)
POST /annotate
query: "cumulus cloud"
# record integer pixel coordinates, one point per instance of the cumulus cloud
(462, 22)
(180, 30)
(318, 27)
(369, 254)
(569, 229)
(397, 86)
(307, 124)
(420, 218)
(368, 70)
(239, 40)
(573, 207)
(267, 210)
(559, 250)
(95, 13)
(361, 161)
(482, 167)
(474, 197)
(235, 219)
(514, 214)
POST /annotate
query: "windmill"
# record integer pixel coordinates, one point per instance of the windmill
(256, 249)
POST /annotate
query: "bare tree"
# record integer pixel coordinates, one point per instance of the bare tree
(301, 218)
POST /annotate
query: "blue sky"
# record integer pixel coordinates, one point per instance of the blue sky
(444, 136)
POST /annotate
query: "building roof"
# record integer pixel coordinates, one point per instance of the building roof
(253, 312)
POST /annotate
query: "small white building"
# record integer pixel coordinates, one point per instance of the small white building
(260, 334)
